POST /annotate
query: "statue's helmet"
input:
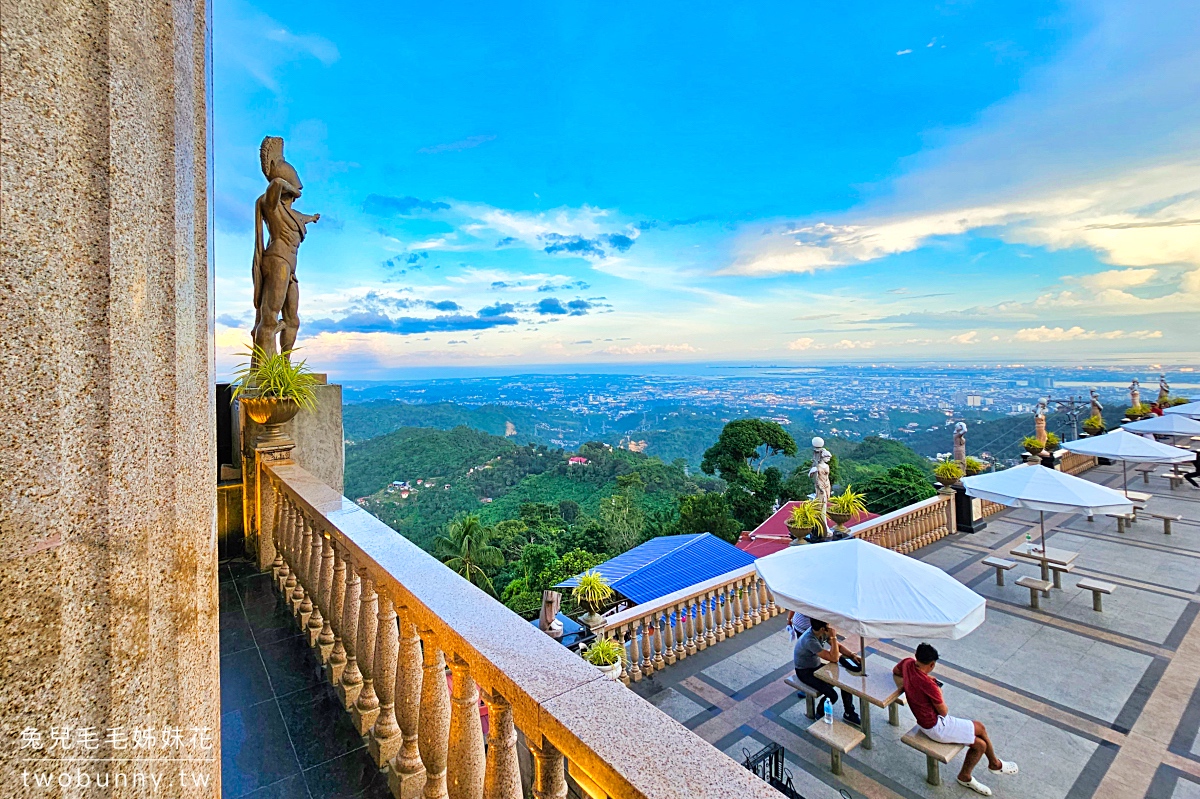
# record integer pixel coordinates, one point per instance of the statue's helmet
(274, 166)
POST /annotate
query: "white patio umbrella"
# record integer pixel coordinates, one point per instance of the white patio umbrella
(873, 592)
(1042, 489)
(1191, 409)
(1175, 424)
(1123, 446)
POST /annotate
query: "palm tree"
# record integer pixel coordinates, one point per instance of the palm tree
(467, 549)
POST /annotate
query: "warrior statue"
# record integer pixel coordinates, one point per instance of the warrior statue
(1039, 421)
(960, 443)
(276, 289)
(1164, 390)
(1097, 408)
(1135, 393)
(822, 488)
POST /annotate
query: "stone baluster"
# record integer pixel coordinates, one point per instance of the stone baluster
(549, 775)
(433, 725)
(775, 609)
(756, 613)
(765, 601)
(303, 595)
(351, 682)
(337, 604)
(406, 777)
(721, 613)
(502, 773)
(277, 522)
(635, 653)
(325, 600)
(316, 620)
(736, 607)
(282, 548)
(385, 734)
(292, 583)
(711, 628)
(668, 638)
(366, 707)
(647, 643)
(465, 751)
(618, 635)
(680, 631)
(692, 611)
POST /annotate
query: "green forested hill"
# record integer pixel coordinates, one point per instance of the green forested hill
(366, 420)
(416, 452)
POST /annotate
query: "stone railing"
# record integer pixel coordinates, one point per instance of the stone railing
(988, 508)
(1074, 463)
(387, 620)
(660, 633)
(913, 526)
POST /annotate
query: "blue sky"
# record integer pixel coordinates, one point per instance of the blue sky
(609, 183)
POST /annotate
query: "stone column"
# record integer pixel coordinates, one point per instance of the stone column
(433, 725)
(108, 497)
(549, 776)
(406, 777)
(465, 760)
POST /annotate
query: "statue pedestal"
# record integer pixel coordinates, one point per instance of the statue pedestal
(968, 512)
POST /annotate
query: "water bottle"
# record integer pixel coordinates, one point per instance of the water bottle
(1029, 541)
(828, 712)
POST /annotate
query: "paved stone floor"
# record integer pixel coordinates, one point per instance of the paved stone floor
(284, 734)
(1088, 704)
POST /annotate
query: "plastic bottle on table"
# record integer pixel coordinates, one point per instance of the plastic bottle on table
(828, 712)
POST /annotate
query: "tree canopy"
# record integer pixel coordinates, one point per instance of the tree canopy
(743, 446)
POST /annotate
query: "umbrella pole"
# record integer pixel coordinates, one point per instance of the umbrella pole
(862, 654)
(1042, 521)
(1125, 478)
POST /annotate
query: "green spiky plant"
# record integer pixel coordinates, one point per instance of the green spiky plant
(975, 466)
(1138, 411)
(948, 472)
(1052, 442)
(1094, 425)
(848, 503)
(604, 652)
(1032, 445)
(806, 515)
(275, 377)
(593, 590)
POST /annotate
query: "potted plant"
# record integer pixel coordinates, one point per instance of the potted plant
(948, 472)
(845, 506)
(1139, 411)
(1052, 442)
(592, 593)
(1093, 426)
(273, 390)
(805, 516)
(606, 654)
(1032, 445)
(975, 466)
(1178, 401)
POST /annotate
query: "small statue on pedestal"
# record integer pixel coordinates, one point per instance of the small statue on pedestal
(1135, 393)
(1039, 421)
(276, 289)
(1164, 390)
(960, 444)
(1097, 408)
(822, 488)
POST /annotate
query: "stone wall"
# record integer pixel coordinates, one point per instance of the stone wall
(108, 566)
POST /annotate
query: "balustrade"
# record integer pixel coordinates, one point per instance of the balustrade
(389, 622)
(909, 528)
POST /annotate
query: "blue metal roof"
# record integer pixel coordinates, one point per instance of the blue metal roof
(666, 564)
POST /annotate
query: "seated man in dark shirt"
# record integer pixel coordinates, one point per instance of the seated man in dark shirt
(924, 696)
(810, 654)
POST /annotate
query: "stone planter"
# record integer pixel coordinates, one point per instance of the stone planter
(271, 413)
(839, 522)
(798, 533)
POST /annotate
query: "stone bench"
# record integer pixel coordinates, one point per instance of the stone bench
(1122, 520)
(841, 738)
(1167, 519)
(935, 753)
(808, 692)
(1001, 566)
(1036, 587)
(1146, 469)
(1058, 569)
(1176, 479)
(1098, 589)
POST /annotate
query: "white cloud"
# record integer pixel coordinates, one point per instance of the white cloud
(1118, 279)
(648, 349)
(1077, 333)
(903, 52)
(801, 344)
(970, 337)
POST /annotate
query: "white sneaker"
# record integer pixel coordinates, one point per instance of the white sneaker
(1005, 768)
(976, 786)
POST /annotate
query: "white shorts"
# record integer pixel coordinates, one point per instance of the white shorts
(952, 730)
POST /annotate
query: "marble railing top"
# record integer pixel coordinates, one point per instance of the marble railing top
(599, 725)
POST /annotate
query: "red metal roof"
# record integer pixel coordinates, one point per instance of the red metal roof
(772, 535)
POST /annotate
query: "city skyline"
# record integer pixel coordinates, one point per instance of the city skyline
(787, 185)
